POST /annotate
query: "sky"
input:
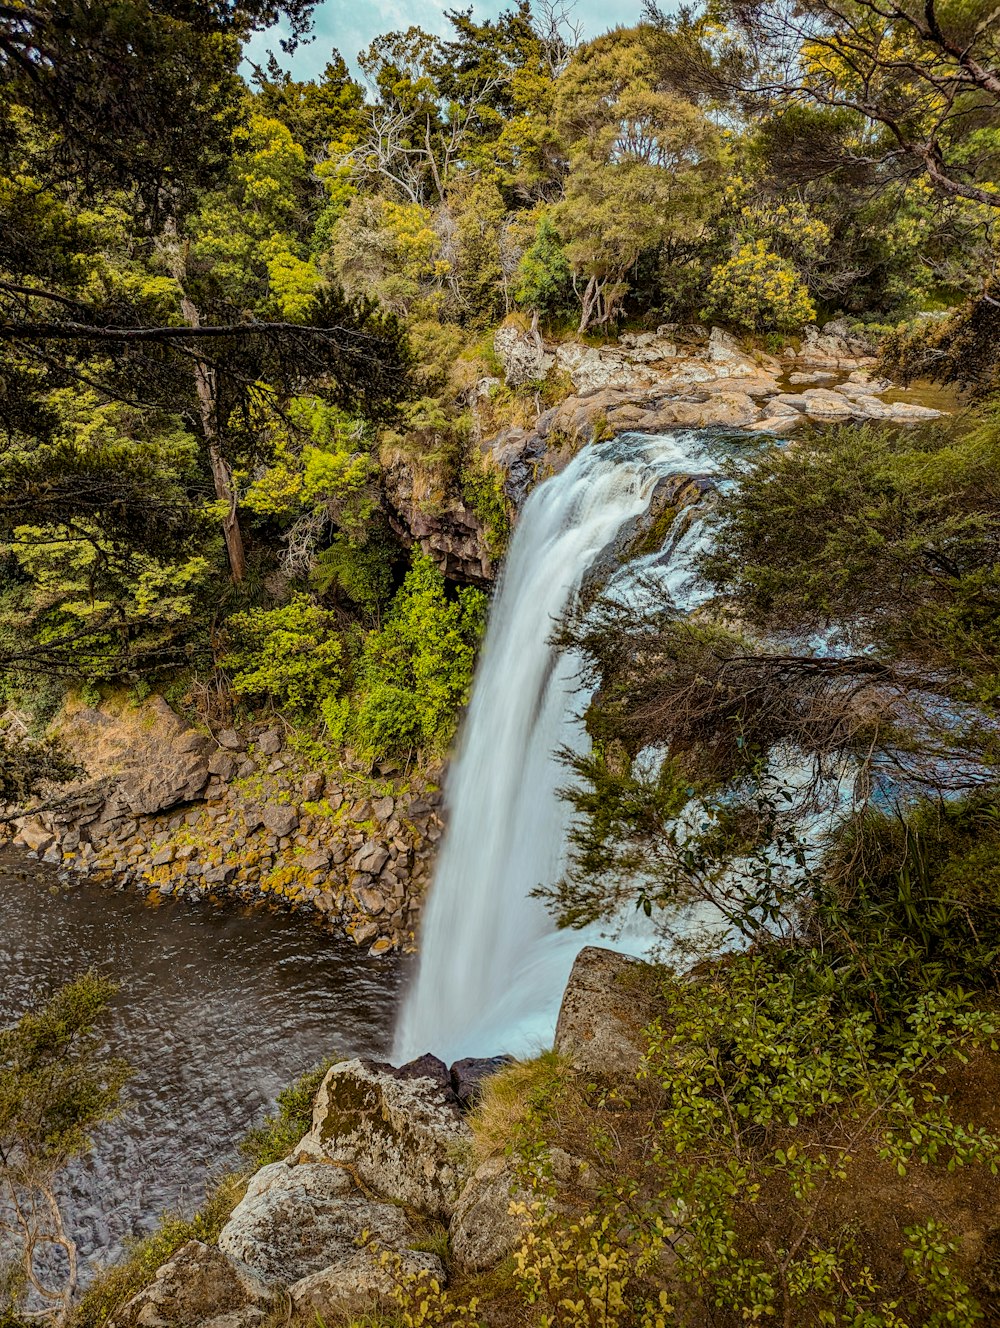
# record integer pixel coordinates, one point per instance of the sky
(349, 25)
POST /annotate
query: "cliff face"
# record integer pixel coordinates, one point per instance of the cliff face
(648, 382)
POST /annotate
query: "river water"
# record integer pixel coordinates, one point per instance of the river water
(217, 1012)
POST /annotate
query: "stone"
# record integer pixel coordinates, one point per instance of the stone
(312, 787)
(362, 933)
(318, 860)
(355, 1285)
(603, 1013)
(221, 875)
(371, 857)
(301, 1218)
(483, 1231)
(385, 945)
(230, 739)
(279, 819)
(163, 856)
(197, 1285)
(222, 763)
(822, 403)
(819, 376)
(383, 808)
(522, 355)
(404, 1137)
(33, 835)
(371, 901)
(269, 743)
(467, 1075)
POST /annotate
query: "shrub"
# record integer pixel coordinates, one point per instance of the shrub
(290, 655)
(416, 672)
(757, 290)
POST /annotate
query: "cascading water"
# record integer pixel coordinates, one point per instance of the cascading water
(493, 966)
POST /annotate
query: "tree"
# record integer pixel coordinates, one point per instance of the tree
(925, 73)
(644, 165)
(57, 1084)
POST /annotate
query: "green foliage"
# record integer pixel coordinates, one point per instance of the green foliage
(415, 673)
(893, 541)
(544, 279)
(29, 767)
(292, 656)
(757, 290)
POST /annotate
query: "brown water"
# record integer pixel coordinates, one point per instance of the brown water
(217, 1011)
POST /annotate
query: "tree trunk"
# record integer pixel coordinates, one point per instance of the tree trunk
(204, 380)
(221, 474)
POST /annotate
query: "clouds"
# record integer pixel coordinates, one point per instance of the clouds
(350, 27)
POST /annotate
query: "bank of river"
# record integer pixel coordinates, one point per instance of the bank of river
(218, 1010)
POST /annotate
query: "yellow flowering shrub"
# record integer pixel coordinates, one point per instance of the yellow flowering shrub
(757, 290)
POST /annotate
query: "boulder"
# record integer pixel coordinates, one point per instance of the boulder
(483, 1231)
(306, 1217)
(522, 355)
(33, 835)
(467, 1076)
(604, 1010)
(403, 1137)
(197, 1286)
(355, 1285)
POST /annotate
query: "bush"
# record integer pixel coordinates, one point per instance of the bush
(759, 291)
(416, 672)
(290, 655)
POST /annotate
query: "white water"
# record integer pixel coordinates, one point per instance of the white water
(493, 966)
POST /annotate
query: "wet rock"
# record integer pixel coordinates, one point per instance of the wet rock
(404, 1137)
(604, 1010)
(466, 1076)
(196, 1286)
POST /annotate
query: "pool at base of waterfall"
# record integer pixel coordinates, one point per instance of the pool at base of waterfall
(217, 1011)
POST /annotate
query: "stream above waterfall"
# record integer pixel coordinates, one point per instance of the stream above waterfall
(218, 1011)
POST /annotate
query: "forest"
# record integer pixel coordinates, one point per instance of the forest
(235, 304)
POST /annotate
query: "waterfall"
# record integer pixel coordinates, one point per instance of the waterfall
(493, 966)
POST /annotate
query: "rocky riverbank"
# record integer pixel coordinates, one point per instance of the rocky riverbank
(178, 811)
(348, 1219)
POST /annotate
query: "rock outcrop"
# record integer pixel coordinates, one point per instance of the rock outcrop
(398, 1132)
(198, 1285)
(605, 1007)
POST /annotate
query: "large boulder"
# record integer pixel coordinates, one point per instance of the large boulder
(152, 758)
(403, 1136)
(605, 1007)
(298, 1219)
(198, 1285)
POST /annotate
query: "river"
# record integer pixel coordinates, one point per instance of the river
(218, 1010)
